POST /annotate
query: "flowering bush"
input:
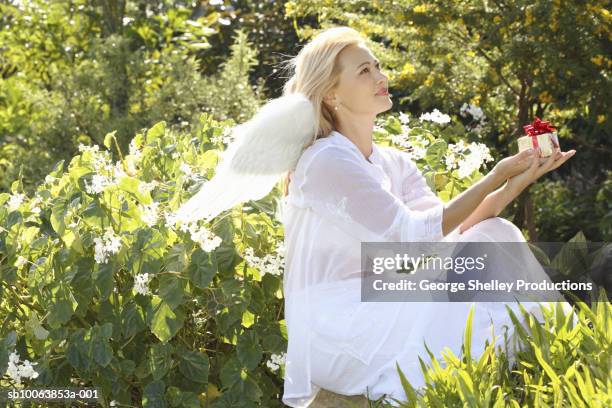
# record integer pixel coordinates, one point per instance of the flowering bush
(103, 286)
(449, 168)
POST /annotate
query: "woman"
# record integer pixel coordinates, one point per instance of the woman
(346, 190)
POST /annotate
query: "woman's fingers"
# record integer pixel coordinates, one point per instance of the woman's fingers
(547, 164)
(535, 163)
(554, 161)
(525, 154)
(565, 156)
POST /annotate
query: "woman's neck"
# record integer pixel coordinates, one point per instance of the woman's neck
(360, 133)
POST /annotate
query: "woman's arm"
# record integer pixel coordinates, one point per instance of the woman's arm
(492, 205)
(457, 210)
(496, 201)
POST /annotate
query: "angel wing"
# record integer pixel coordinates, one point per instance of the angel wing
(262, 149)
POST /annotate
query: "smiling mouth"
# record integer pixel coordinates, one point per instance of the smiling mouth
(383, 93)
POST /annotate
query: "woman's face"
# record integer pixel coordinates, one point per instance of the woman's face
(362, 88)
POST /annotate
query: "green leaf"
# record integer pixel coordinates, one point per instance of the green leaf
(130, 185)
(100, 344)
(274, 343)
(155, 132)
(164, 323)
(547, 368)
(172, 289)
(103, 277)
(6, 347)
(153, 395)
(194, 365)
(202, 268)
(408, 389)
(35, 329)
(82, 284)
(248, 319)
(159, 359)
(435, 152)
(467, 338)
(108, 139)
(231, 372)
(132, 319)
(249, 350)
(59, 313)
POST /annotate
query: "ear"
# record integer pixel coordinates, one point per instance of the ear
(330, 100)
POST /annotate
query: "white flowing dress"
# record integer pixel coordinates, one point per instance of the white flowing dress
(336, 200)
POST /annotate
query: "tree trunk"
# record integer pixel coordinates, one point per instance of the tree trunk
(524, 212)
(530, 219)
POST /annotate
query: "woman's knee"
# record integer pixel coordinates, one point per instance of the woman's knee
(501, 230)
(514, 232)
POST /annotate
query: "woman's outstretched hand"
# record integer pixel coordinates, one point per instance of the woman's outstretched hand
(520, 171)
(537, 168)
(516, 164)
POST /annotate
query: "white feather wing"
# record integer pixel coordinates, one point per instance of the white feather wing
(262, 149)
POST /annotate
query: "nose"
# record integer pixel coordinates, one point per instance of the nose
(382, 78)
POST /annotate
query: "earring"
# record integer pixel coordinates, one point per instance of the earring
(336, 107)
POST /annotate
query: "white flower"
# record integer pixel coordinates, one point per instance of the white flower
(134, 150)
(34, 205)
(400, 140)
(271, 263)
(185, 169)
(118, 171)
(435, 116)
(98, 183)
(171, 219)
(18, 371)
(49, 179)
(473, 110)
(404, 118)
(150, 213)
(466, 158)
(131, 165)
(15, 201)
(417, 152)
(141, 284)
(108, 244)
(84, 148)
(145, 187)
(101, 161)
(450, 159)
(226, 137)
(20, 261)
(280, 248)
(216, 2)
(113, 403)
(276, 360)
(207, 240)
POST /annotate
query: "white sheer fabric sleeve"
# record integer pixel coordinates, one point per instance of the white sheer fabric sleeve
(336, 185)
(416, 193)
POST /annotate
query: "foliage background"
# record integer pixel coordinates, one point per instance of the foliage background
(168, 78)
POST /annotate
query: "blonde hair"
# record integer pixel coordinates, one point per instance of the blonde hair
(316, 72)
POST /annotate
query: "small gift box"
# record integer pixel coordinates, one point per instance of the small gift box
(539, 134)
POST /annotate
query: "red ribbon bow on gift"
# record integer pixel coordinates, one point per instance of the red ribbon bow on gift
(538, 127)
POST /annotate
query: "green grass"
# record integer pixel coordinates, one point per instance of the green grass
(562, 361)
